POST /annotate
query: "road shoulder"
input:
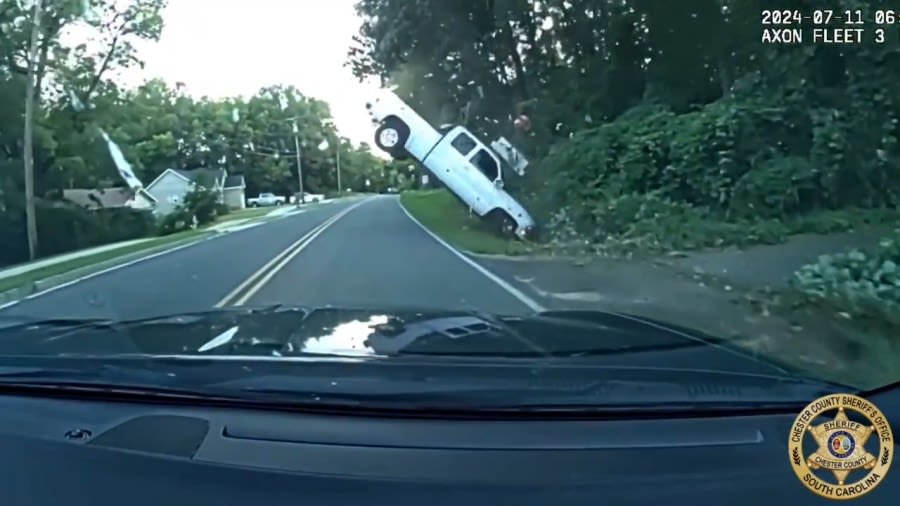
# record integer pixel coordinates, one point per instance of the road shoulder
(694, 290)
(78, 268)
(20, 281)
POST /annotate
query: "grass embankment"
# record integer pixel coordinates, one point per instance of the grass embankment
(338, 195)
(250, 212)
(31, 276)
(442, 213)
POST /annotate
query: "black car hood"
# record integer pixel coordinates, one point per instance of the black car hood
(351, 334)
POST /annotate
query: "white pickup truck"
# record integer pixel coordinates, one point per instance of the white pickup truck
(468, 167)
(307, 197)
(266, 200)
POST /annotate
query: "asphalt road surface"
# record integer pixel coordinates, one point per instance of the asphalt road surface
(357, 252)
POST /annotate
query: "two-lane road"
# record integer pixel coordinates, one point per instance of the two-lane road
(359, 252)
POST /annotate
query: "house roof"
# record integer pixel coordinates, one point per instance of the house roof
(99, 198)
(195, 174)
(235, 181)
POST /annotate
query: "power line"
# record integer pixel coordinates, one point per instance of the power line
(275, 154)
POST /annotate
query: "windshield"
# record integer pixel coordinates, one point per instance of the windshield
(538, 196)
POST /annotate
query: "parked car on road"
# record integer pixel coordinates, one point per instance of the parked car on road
(307, 197)
(266, 200)
(467, 166)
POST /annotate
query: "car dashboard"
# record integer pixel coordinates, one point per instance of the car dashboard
(80, 452)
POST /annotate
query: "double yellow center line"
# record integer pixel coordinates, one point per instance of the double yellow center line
(258, 279)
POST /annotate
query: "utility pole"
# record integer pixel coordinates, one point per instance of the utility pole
(299, 166)
(337, 158)
(28, 141)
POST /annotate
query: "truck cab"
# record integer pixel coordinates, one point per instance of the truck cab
(457, 157)
(474, 172)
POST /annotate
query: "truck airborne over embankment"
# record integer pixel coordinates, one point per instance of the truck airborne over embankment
(465, 165)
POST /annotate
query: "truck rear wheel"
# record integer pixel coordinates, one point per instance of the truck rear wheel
(391, 136)
(501, 223)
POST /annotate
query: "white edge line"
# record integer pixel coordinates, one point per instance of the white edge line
(215, 234)
(238, 228)
(515, 292)
(107, 270)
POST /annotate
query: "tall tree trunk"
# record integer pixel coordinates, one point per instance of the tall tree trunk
(521, 80)
(28, 158)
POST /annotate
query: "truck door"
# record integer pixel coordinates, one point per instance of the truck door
(487, 164)
(449, 162)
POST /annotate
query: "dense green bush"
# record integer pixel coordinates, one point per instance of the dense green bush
(200, 207)
(859, 284)
(62, 229)
(855, 296)
(652, 223)
(204, 205)
(178, 220)
(753, 166)
(807, 145)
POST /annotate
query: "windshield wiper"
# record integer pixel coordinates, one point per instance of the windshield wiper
(110, 374)
(105, 382)
(656, 410)
(510, 330)
(602, 396)
(503, 403)
(19, 322)
(61, 323)
(415, 398)
(115, 391)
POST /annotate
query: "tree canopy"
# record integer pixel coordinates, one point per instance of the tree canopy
(672, 108)
(81, 47)
(661, 126)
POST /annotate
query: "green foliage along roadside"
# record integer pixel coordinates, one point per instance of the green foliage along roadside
(676, 118)
(855, 297)
(157, 125)
(200, 207)
(442, 214)
(661, 126)
(65, 229)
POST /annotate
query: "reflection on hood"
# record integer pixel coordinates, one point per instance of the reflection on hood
(297, 333)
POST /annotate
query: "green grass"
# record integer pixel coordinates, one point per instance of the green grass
(250, 212)
(29, 277)
(449, 219)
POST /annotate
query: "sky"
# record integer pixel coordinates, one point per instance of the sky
(224, 48)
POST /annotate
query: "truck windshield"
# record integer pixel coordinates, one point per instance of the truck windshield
(486, 164)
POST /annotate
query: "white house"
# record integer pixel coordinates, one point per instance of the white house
(170, 188)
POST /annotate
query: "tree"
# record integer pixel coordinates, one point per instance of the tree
(155, 125)
(40, 53)
(28, 148)
(649, 98)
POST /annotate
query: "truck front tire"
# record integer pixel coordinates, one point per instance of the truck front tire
(391, 137)
(501, 223)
